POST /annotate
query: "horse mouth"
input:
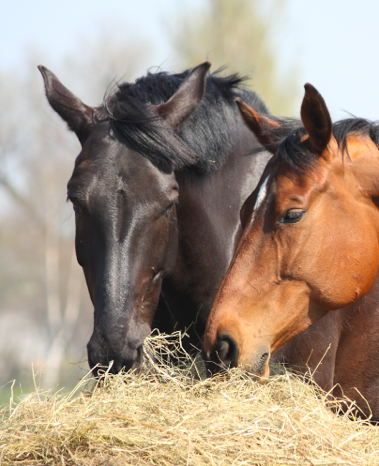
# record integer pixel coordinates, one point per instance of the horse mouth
(259, 371)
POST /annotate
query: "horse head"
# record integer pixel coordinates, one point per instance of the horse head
(310, 240)
(124, 193)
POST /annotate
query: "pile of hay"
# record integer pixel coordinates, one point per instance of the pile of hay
(170, 415)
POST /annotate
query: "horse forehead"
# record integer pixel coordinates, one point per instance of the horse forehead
(290, 182)
(107, 163)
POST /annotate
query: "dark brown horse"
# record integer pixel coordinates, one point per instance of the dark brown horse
(165, 167)
(308, 255)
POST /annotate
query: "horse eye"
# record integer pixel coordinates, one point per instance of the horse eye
(293, 216)
(167, 211)
(75, 206)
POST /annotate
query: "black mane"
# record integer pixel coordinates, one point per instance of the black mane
(203, 138)
(299, 156)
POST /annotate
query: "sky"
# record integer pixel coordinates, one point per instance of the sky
(336, 44)
(333, 42)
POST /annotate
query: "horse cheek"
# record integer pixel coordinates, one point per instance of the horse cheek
(368, 264)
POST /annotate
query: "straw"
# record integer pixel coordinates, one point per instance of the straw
(169, 414)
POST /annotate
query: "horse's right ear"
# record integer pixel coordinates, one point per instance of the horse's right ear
(260, 125)
(186, 98)
(316, 119)
(74, 112)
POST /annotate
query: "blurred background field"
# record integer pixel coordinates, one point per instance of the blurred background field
(45, 312)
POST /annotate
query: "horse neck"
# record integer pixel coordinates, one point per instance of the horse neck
(208, 217)
(364, 156)
(364, 308)
(220, 193)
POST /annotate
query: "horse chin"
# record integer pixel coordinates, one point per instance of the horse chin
(260, 378)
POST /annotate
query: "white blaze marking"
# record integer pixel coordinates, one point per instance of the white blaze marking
(262, 194)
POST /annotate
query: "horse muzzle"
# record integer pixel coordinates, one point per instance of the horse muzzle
(226, 354)
(102, 354)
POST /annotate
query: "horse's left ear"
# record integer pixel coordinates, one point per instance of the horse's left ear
(186, 98)
(316, 119)
(259, 124)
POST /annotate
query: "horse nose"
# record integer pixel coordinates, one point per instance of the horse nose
(224, 354)
(130, 357)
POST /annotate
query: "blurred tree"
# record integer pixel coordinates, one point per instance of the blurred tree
(241, 35)
(36, 247)
(45, 311)
(107, 62)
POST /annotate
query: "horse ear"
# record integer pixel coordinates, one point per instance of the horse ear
(260, 125)
(186, 98)
(71, 109)
(316, 119)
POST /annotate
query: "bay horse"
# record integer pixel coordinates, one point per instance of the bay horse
(164, 169)
(308, 258)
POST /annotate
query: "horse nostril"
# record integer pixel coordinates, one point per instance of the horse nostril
(262, 363)
(225, 352)
(264, 358)
(139, 358)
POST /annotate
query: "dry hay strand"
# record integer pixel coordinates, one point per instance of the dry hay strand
(169, 414)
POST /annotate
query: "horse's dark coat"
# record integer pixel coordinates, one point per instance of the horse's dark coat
(205, 133)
